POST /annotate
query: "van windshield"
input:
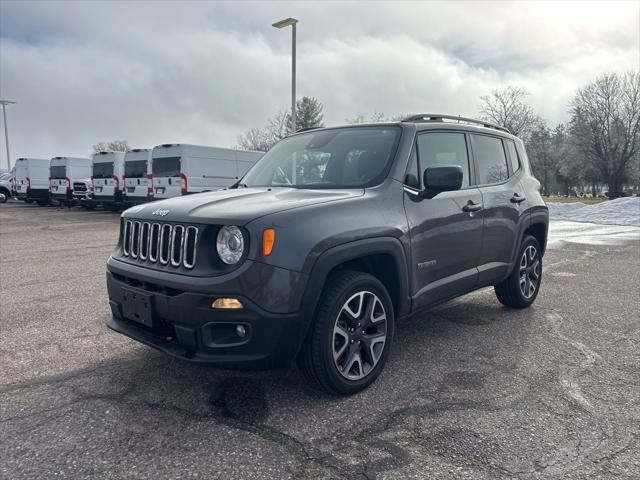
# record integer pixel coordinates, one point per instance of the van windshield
(352, 157)
(166, 167)
(58, 171)
(135, 169)
(103, 170)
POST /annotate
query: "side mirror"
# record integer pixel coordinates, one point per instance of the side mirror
(441, 179)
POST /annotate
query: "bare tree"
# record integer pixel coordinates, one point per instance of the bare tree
(507, 107)
(606, 116)
(111, 146)
(540, 152)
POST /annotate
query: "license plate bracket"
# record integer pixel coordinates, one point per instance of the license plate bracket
(136, 306)
(160, 190)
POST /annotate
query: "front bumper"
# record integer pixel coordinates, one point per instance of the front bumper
(184, 325)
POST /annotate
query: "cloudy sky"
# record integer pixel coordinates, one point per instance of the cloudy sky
(204, 72)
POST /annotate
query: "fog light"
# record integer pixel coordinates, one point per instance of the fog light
(241, 331)
(227, 303)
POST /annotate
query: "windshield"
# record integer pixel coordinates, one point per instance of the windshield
(135, 169)
(103, 170)
(58, 171)
(352, 157)
(166, 167)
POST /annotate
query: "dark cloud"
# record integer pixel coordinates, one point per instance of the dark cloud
(158, 72)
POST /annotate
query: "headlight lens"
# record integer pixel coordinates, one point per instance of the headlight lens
(230, 244)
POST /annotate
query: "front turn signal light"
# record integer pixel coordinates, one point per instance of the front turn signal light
(227, 304)
(268, 241)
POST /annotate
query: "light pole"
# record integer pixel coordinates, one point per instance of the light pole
(282, 24)
(4, 104)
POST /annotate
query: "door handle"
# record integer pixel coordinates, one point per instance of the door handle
(471, 206)
(517, 198)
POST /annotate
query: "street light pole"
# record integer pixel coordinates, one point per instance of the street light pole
(4, 104)
(282, 24)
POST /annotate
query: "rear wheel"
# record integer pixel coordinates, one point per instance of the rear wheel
(349, 341)
(521, 288)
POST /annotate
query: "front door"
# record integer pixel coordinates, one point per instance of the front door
(445, 231)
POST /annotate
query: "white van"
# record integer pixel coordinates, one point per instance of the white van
(180, 169)
(108, 179)
(70, 179)
(32, 180)
(137, 174)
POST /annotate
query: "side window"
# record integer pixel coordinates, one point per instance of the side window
(443, 150)
(513, 156)
(412, 177)
(491, 159)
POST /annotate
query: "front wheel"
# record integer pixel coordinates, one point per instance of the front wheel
(349, 341)
(521, 288)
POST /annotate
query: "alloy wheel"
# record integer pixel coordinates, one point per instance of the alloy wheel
(529, 272)
(359, 335)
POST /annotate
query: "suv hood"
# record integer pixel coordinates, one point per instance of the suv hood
(236, 206)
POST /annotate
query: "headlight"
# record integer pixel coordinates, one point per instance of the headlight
(230, 244)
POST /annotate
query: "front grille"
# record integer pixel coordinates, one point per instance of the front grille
(80, 187)
(164, 243)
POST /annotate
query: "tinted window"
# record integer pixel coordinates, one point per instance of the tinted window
(513, 156)
(412, 178)
(491, 160)
(103, 170)
(443, 150)
(336, 158)
(166, 167)
(58, 171)
(135, 169)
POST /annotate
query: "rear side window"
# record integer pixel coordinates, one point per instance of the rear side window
(513, 156)
(166, 167)
(135, 169)
(58, 172)
(443, 150)
(490, 158)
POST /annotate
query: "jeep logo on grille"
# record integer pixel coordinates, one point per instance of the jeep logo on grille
(160, 211)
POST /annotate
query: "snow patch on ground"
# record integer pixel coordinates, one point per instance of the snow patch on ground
(621, 211)
(561, 233)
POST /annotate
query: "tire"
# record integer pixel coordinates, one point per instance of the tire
(521, 288)
(338, 339)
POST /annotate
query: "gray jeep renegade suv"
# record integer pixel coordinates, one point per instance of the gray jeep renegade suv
(334, 235)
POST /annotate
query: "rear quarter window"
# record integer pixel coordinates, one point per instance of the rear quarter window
(513, 156)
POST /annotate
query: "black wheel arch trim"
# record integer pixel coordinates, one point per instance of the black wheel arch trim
(339, 254)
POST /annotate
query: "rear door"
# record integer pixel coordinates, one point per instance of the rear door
(136, 181)
(22, 173)
(58, 179)
(167, 180)
(103, 182)
(502, 195)
(445, 231)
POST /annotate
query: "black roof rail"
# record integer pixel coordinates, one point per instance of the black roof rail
(437, 117)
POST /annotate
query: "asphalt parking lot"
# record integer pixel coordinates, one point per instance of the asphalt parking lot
(472, 390)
